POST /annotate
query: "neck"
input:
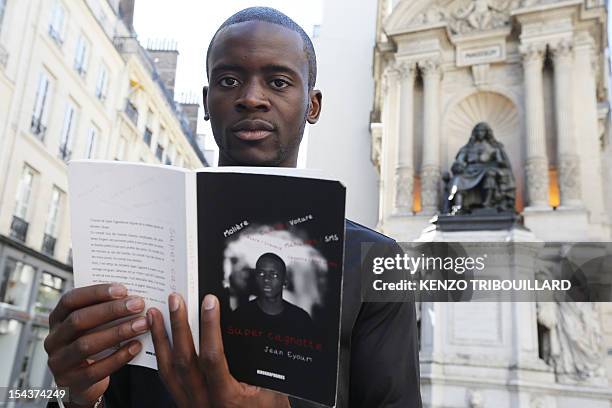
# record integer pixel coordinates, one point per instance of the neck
(271, 306)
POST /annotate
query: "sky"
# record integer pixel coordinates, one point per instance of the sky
(192, 23)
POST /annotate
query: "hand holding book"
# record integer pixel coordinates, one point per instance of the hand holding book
(78, 332)
(203, 380)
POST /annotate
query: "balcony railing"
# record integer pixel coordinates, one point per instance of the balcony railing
(19, 229)
(38, 129)
(48, 245)
(131, 112)
(147, 136)
(64, 152)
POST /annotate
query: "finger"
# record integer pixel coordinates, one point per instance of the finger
(87, 318)
(84, 377)
(81, 297)
(93, 343)
(184, 357)
(212, 355)
(163, 354)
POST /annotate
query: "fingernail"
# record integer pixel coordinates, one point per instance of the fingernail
(117, 291)
(150, 318)
(134, 304)
(134, 348)
(174, 302)
(209, 302)
(139, 324)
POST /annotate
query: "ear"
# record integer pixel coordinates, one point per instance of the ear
(205, 102)
(314, 106)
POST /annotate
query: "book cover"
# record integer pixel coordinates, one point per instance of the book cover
(271, 249)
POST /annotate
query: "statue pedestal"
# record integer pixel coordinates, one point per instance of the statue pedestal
(485, 354)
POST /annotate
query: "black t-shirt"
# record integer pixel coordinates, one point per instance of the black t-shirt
(258, 351)
(379, 360)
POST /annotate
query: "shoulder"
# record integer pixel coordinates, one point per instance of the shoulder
(247, 308)
(295, 310)
(357, 233)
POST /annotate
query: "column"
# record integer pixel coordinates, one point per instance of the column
(390, 119)
(430, 169)
(567, 158)
(404, 170)
(536, 166)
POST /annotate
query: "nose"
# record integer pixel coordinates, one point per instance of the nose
(253, 98)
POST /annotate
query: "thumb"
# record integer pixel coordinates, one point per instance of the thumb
(212, 356)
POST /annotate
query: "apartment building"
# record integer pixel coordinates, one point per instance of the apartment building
(74, 83)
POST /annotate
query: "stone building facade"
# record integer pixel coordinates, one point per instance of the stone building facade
(538, 72)
(74, 83)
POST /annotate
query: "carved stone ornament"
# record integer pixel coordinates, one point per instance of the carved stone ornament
(430, 67)
(533, 53)
(390, 76)
(406, 69)
(430, 179)
(569, 177)
(479, 15)
(434, 14)
(537, 181)
(404, 184)
(562, 51)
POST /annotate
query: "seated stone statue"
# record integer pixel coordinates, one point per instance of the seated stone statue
(481, 176)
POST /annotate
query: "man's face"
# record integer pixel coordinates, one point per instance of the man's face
(270, 278)
(481, 132)
(258, 99)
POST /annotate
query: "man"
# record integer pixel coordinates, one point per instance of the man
(261, 68)
(270, 313)
(270, 277)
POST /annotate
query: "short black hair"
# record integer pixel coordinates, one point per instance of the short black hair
(273, 257)
(273, 16)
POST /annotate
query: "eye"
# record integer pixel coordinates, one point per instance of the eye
(228, 82)
(279, 83)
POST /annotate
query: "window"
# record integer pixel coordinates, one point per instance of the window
(148, 131)
(102, 83)
(121, 149)
(90, 147)
(40, 113)
(159, 152)
(24, 193)
(2, 8)
(17, 283)
(80, 56)
(54, 211)
(170, 155)
(67, 132)
(57, 26)
(49, 292)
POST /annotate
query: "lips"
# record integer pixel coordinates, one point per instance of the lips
(252, 129)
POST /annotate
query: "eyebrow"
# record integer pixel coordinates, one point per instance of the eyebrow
(266, 68)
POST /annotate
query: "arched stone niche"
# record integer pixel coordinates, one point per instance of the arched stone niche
(503, 117)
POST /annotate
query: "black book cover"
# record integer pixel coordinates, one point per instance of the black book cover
(270, 247)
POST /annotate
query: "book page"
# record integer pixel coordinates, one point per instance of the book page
(129, 226)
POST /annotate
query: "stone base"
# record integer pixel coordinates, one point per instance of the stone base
(481, 221)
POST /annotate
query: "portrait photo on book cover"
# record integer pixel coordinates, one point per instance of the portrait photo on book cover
(279, 286)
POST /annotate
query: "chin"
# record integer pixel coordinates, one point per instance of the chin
(259, 159)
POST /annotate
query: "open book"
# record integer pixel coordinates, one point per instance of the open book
(268, 242)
